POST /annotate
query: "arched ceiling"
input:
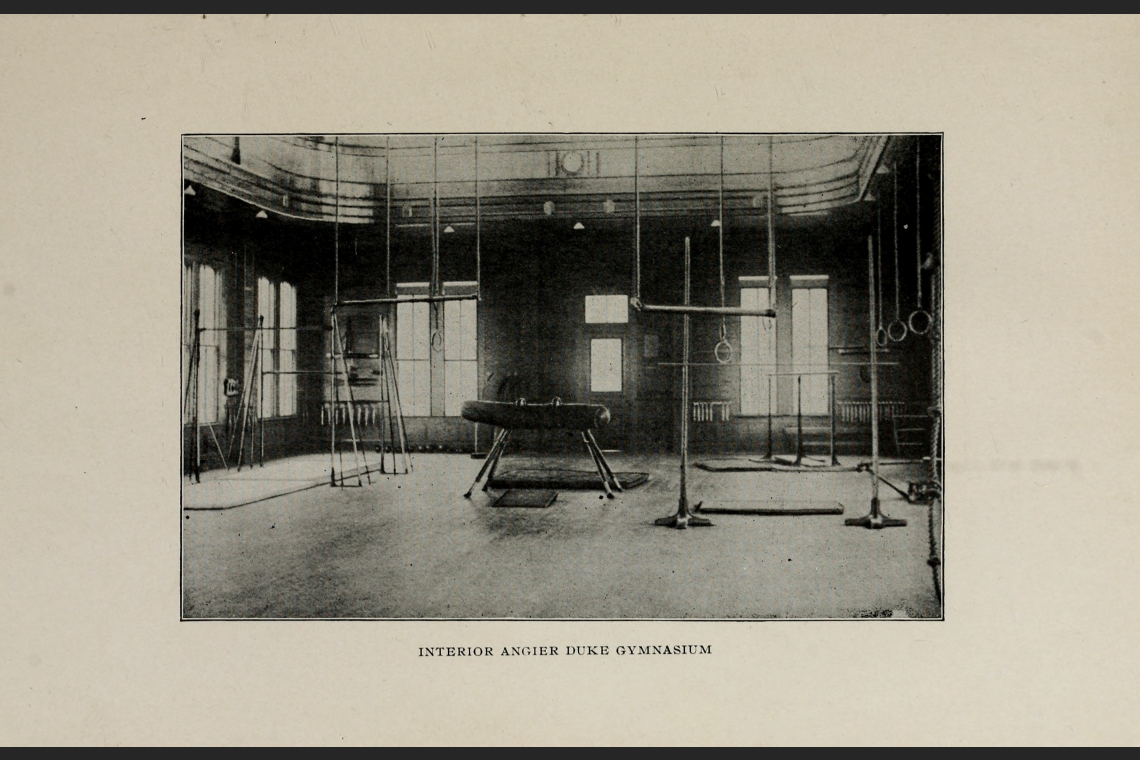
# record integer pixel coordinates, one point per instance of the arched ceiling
(356, 178)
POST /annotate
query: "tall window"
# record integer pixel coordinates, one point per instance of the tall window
(460, 346)
(277, 309)
(413, 350)
(757, 350)
(605, 365)
(606, 353)
(202, 290)
(287, 356)
(809, 340)
(455, 337)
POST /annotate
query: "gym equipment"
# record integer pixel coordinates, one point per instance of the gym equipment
(925, 320)
(523, 416)
(723, 349)
(358, 454)
(563, 480)
(190, 401)
(520, 415)
(881, 338)
(875, 519)
(526, 497)
(771, 509)
(683, 517)
(892, 334)
(250, 401)
(434, 294)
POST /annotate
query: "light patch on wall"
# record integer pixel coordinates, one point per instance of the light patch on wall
(605, 365)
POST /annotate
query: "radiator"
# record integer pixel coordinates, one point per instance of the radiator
(855, 412)
(365, 412)
(712, 411)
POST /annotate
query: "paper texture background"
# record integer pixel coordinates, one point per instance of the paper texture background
(1041, 149)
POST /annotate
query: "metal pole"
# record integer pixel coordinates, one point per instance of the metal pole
(875, 519)
(683, 506)
(770, 411)
(335, 402)
(684, 518)
(831, 393)
(799, 419)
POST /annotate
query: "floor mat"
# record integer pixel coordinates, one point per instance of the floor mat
(770, 508)
(565, 480)
(764, 465)
(526, 497)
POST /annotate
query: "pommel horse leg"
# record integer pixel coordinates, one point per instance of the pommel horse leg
(492, 455)
(598, 464)
(493, 462)
(602, 458)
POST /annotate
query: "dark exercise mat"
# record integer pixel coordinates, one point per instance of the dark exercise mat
(565, 480)
(527, 497)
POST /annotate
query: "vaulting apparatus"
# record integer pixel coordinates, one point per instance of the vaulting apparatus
(520, 415)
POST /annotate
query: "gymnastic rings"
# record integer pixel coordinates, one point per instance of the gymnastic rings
(881, 338)
(891, 332)
(925, 320)
(437, 340)
(723, 352)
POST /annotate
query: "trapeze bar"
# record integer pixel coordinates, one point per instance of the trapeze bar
(406, 299)
(725, 311)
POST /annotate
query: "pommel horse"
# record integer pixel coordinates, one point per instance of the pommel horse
(520, 415)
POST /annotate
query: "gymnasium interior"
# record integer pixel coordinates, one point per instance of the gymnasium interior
(562, 376)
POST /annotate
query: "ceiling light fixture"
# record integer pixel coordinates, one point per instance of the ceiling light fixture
(579, 226)
(262, 215)
(448, 229)
(715, 223)
(189, 190)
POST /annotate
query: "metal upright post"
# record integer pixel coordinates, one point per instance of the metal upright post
(875, 519)
(684, 518)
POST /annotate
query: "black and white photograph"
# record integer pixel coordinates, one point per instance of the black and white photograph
(550, 379)
(483, 376)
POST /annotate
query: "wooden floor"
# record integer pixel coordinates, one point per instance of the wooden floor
(410, 546)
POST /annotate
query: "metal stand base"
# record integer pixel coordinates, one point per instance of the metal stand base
(684, 518)
(876, 520)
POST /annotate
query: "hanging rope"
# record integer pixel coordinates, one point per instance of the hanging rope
(723, 349)
(924, 318)
(636, 220)
(881, 338)
(434, 288)
(478, 229)
(771, 224)
(388, 215)
(336, 224)
(894, 335)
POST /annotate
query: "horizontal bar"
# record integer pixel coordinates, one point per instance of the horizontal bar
(724, 311)
(406, 299)
(777, 374)
(255, 329)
